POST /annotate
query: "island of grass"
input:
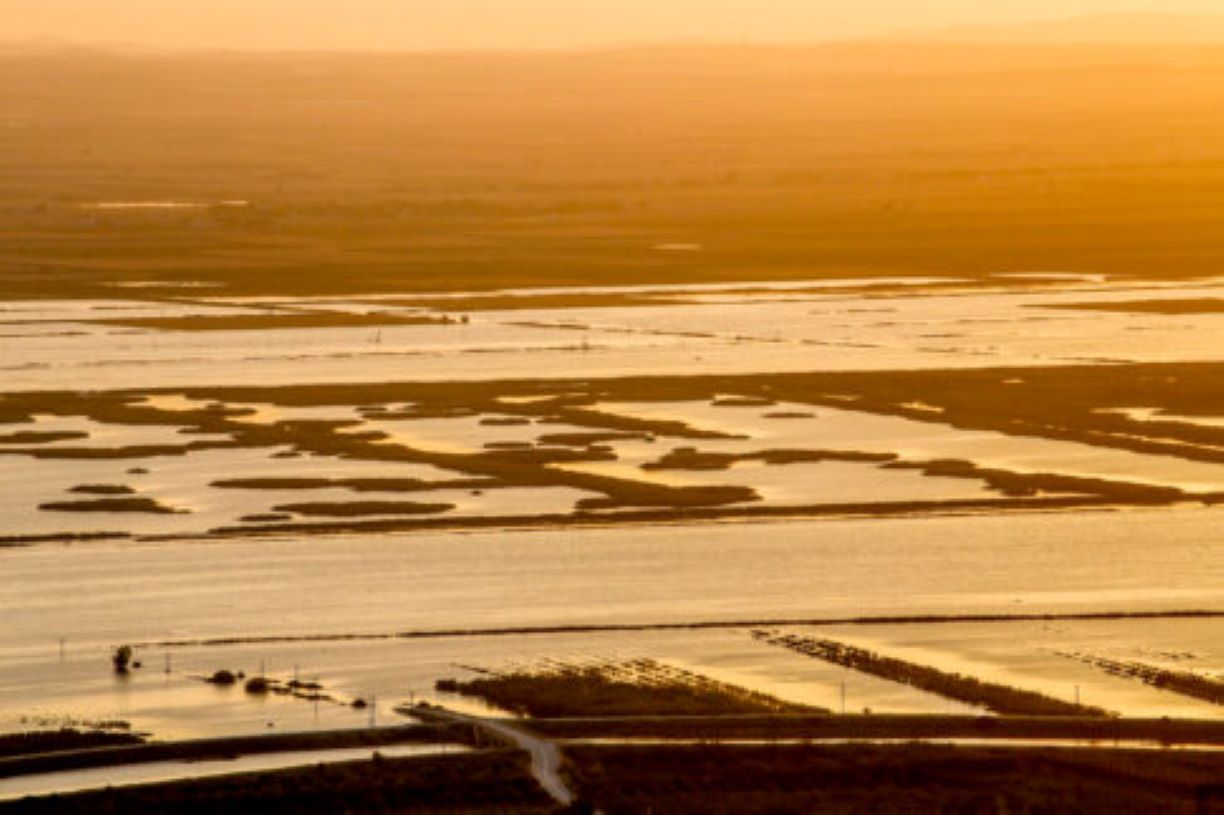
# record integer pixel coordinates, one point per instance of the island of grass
(353, 484)
(142, 505)
(690, 458)
(359, 509)
(103, 489)
(270, 321)
(1170, 307)
(641, 687)
(42, 437)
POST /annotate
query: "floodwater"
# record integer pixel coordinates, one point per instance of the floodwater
(732, 330)
(99, 595)
(193, 606)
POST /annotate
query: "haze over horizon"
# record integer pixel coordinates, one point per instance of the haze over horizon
(388, 25)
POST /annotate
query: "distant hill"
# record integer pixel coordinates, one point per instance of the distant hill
(1130, 28)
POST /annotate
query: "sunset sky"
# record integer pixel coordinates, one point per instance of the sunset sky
(445, 24)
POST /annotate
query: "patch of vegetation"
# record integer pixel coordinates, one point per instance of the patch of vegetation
(103, 489)
(579, 439)
(1057, 403)
(641, 687)
(357, 509)
(504, 421)
(354, 484)
(41, 437)
(1023, 485)
(631, 495)
(1171, 307)
(690, 458)
(257, 686)
(266, 518)
(142, 505)
(121, 658)
(1000, 699)
(62, 537)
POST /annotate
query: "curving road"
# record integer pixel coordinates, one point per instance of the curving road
(545, 755)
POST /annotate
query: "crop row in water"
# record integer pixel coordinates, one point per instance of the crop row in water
(1197, 686)
(641, 687)
(997, 698)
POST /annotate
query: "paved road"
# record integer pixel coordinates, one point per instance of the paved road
(545, 755)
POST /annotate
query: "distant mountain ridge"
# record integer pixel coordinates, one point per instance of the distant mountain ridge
(1115, 28)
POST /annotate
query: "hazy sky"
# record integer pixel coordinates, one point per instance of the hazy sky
(433, 24)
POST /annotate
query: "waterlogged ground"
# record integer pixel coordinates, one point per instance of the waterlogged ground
(202, 605)
(484, 464)
(105, 344)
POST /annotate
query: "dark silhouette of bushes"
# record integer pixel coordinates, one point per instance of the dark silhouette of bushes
(638, 688)
(121, 658)
(64, 739)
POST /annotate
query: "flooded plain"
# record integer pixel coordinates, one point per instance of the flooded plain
(171, 484)
(286, 606)
(733, 330)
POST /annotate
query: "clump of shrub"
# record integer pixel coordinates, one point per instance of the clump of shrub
(122, 659)
(258, 686)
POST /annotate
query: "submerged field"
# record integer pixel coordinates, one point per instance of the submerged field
(360, 532)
